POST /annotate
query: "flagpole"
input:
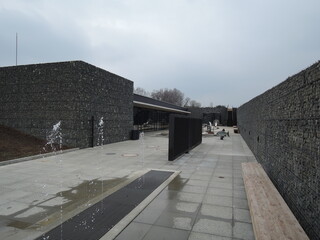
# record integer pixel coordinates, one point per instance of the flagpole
(16, 49)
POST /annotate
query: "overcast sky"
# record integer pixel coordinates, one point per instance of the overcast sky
(215, 51)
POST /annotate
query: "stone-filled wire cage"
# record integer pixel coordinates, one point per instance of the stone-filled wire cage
(34, 97)
(281, 127)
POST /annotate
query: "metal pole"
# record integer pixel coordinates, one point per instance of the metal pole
(92, 131)
(16, 49)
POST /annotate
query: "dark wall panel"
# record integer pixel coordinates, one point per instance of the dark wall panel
(185, 133)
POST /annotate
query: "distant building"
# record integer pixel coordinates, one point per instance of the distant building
(225, 116)
(152, 114)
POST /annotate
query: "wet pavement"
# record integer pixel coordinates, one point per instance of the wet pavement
(101, 217)
(206, 200)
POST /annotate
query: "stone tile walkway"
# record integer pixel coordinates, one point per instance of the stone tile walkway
(206, 201)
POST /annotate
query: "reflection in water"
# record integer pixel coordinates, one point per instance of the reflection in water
(100, 142)
(178, 183)
(54, 144)
(141, 180)
(75, 199)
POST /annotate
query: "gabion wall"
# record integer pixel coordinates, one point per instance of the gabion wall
(282, 128)
(34, 97)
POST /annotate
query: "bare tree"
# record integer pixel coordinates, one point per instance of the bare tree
(186, 101)
(141, 91)
(194, 103)
(173, 96)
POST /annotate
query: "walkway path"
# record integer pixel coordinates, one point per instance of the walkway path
(206, 201)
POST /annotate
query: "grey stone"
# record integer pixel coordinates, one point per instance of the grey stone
(219, 228)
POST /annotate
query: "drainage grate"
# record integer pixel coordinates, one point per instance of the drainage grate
(96, 221)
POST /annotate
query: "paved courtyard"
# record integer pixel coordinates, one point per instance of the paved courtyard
(206, 200)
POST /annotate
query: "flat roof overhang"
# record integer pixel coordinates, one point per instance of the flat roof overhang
(156, 107)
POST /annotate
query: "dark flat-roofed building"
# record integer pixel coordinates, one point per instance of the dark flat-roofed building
(223, 115)
(151, 114)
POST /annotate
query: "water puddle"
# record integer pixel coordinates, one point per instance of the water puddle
(78, 197)
(178, 183)
(19, 224)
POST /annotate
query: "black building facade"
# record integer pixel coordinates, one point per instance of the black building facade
(225, 116)
(151, 115)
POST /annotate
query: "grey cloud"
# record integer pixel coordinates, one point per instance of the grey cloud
(225, 52)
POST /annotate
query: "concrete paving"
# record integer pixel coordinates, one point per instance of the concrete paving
(206, 200)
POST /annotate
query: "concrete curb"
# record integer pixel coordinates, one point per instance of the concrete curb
(24, 159)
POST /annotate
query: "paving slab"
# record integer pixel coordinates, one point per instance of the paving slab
(134, 231)
(220, 192)
(216, 211)
(163, 233)
(242, 215)
(243, 231)
(218, 200)
(204, 236)
(215, 227)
